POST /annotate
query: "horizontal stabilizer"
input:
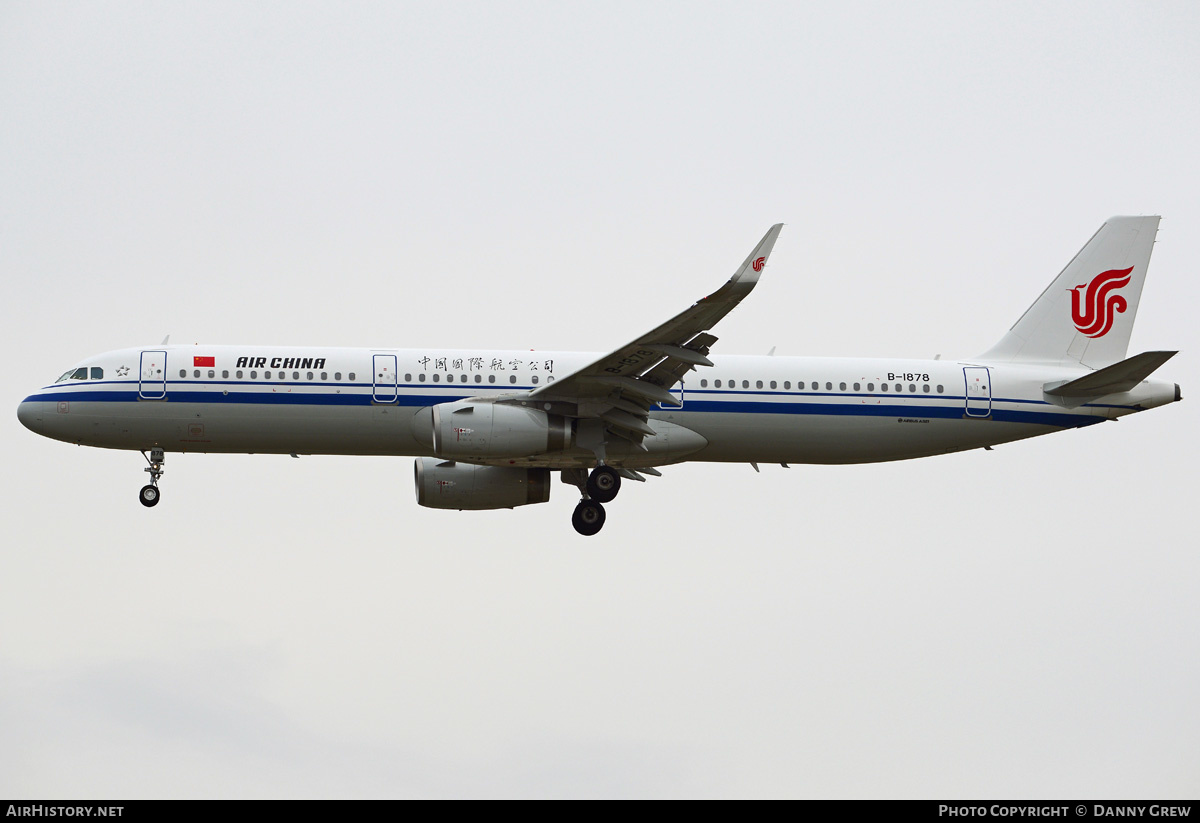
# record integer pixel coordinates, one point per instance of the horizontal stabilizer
(1114, 379)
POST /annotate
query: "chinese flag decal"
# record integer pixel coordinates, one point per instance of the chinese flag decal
(204, 361)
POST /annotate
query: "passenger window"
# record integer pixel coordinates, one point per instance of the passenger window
(309, 375)
(351, 377)
(408, 378)
(717, 384)
(549, 379)
(787, 384)
(828, 387)
(912, 387)
(815, 385)
(295, 375)
(926, 388)
(535, 379)
(857, 386)
(266, 375)
(224, 373)
(704, 384)
(479, 378)
(449, 378)
(436, 378)
(758, 384)
(212, 372)
(870, 387)
(253, 375)
(196, 373)
(512, 378)
(183, 372)
(491, 378)
(324, 375)
(239, 374)
(842, 386)
(462, 378)
(939, 389)
(421, 377)
(774, 385)
(883, 387)
(97, 374)
(745, 384)
(899, 387)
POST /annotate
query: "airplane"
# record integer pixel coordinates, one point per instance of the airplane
(487, 428)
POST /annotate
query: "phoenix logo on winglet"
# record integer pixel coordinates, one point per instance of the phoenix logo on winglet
(1097, 316)
(759, 263)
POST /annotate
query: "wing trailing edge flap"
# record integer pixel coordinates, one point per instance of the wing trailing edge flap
(679, 361)
(1114, 379)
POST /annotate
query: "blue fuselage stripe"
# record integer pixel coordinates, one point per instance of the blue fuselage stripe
(951, 409)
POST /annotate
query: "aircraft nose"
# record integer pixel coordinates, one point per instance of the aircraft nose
(29, 412)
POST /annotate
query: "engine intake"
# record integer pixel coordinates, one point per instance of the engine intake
(464, 486)
(472, 429)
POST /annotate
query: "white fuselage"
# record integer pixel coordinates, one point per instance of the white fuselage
(376, 401)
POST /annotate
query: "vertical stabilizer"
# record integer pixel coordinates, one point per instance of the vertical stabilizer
(1086, 315)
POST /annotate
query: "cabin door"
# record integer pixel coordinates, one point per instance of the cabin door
(384, 377)
(979, 391)
(152, 375)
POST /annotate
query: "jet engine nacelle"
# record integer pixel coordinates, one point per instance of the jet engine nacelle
(443, 484)
(473, 429)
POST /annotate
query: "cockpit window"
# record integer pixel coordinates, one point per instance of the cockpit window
(80, 374)
(97, 373)
(66, 376)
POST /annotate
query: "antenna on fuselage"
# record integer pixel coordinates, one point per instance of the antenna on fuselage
(165, 339)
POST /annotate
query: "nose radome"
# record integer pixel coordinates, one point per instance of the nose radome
(29, 412)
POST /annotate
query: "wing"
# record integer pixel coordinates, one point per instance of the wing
(622, 386)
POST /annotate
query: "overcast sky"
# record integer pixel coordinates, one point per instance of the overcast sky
(1021, 622)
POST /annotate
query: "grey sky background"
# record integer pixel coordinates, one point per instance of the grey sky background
(1021, 622)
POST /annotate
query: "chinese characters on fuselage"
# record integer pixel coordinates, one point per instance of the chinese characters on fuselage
(476, 364)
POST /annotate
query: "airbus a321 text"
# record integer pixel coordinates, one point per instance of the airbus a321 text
(487, 428)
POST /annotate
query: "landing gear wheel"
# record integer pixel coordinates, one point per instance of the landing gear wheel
(603, 484)
(149, 495)
(588, 517)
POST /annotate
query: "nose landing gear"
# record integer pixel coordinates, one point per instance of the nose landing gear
(150, 495)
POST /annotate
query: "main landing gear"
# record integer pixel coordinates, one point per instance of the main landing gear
(149, 495)
(588, 517)
(601, 486)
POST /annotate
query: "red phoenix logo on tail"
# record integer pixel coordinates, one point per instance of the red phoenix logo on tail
(758, 264)
(1099, 305)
